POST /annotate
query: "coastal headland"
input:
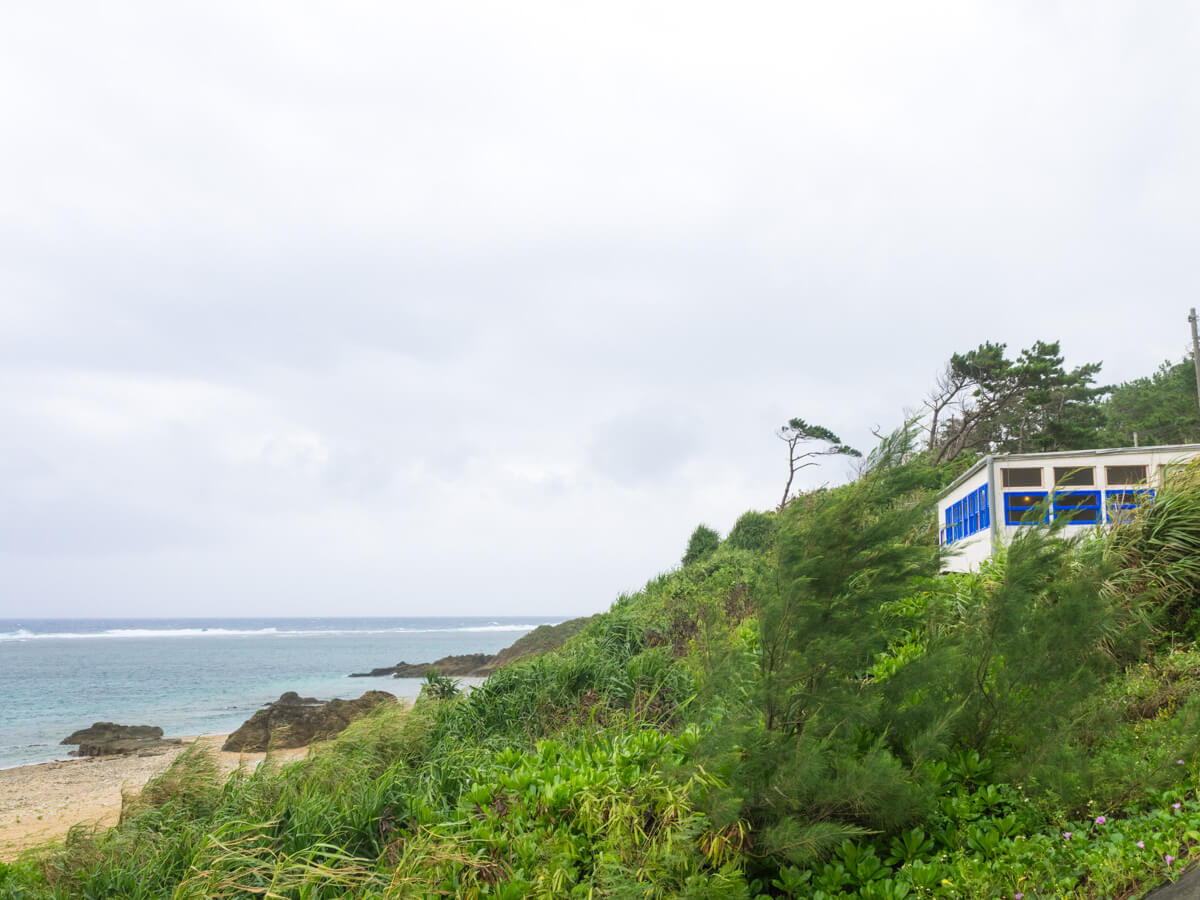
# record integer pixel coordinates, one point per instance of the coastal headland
(542, 639)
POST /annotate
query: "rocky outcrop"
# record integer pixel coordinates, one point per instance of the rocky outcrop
(541, 640)
(295, 721)
(377, 673)
(110, 739)
(465, 664)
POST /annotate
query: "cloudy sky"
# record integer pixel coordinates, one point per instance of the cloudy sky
(479, 308)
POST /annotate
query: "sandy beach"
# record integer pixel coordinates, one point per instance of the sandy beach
(39, 803)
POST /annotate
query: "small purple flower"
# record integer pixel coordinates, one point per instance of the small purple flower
(1170, 859)
(1018, 897)
(1176, 805)
(1141, 845)
(1100, 820)
(1179, 762)
(1066, 835)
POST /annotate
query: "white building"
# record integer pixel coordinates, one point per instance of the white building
(991, 500)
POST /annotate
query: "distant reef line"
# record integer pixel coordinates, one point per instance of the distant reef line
(541, 640)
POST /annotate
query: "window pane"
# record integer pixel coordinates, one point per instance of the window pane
(1022, 477)
(1021, 508)
(1121, 504)
(1125, 474)
(1074, 477)
(1078, 507)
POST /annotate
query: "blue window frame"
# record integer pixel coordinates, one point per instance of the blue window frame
(1025, 508)
(1120, 503)
(967, 516)
(1078, 507)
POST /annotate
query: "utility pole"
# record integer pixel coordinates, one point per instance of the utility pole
(1195, 352)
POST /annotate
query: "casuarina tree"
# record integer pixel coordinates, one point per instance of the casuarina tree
(799, 435)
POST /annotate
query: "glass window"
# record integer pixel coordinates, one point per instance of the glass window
(967, 516)
(1022, 477)
(1120, 504)
(1125, 474)
(1077, 507)
(1072, 477)
(1025, 508)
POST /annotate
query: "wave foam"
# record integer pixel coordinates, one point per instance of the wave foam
(23, 634)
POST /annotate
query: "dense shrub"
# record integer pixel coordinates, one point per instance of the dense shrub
(702, 544)
(754, 531)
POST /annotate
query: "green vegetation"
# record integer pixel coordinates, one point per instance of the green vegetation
(1160, 409)
(702, 544)
(754, 531)
(805, 709)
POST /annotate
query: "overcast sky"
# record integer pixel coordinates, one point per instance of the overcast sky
(479, 308)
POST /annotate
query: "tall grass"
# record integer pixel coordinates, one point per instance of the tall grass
(1157, 553)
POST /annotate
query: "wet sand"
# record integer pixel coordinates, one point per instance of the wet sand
(38, 804)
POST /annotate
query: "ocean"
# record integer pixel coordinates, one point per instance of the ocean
(206, 676)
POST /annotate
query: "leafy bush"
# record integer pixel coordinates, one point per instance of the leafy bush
(753, 531)
(702, 544)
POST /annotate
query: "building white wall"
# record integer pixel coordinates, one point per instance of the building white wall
(967, 552)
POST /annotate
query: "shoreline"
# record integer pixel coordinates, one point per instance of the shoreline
(40, 802)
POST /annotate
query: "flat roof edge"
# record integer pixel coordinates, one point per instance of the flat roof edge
(966, 476)
(1058, 454)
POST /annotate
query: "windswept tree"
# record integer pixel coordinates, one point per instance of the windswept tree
(798, 435)
(985, 402)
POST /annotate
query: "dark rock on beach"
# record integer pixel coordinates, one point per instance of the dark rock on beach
(295, 721)
(109, 739)
(291, 698)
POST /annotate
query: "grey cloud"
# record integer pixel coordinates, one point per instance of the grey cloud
(384, 301)
(92, 526)
(645, 446)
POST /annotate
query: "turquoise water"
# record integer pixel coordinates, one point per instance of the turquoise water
(204, 676)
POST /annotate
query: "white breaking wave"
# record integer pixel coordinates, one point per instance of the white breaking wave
(22, 634)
